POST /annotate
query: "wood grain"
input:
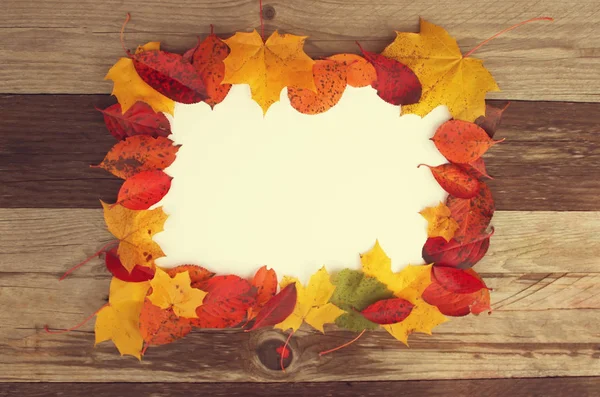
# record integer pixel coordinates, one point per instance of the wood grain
(67, 46)
(548, 162)
(545, 298)
(527, 387)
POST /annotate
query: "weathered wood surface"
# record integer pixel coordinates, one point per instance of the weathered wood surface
(65, 46)
(551, 152)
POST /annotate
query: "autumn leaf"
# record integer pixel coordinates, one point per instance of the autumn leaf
(171, 75)
(472, 215)
(139, 153)
(198, 274)
(139, 119)
(436, 59)
(138, 273)
(455, 254)
(119, 319)
(129, 87)
(462, 141)
(359, 71)
(458, 304)
(265, 282)
(143, 190)
(268, 67)
(491, 121)
(439, 222)
(456, 280)
(277, 309)
(454, 180)
(135, 230)
(312, 304)
(396, 83)
(388, 311)
(227, 302)
(161, 326)
(330, 80)
(176, 293)
(354, 292)
(207, 58)
(475, 168)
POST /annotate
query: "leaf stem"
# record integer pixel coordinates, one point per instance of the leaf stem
(62, 331)
(262, 22)
(285, 347)
(504, 31)
(344, 345)
(127, 19)
(71, 270)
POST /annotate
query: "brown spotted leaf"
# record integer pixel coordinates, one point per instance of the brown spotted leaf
(161, 326)
(491, 121)
(139, 119)
(359, 71)
(472, 215)
(462, 141)
(330, 80)
(454, 180)
(198, 274)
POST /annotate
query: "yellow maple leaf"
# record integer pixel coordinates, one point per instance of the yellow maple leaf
(440, 224)
(176, 293)
(312, 303)
(135, 230)
(119, 320)
(447, 77)
(129, 87)
(268, 67)
(408, 284)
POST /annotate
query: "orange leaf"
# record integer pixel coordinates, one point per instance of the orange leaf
(265, 282)
(454, 180)
(360, 72)
(198, 274)
(330, 79)
(161, 326)
(475, 168)
(461, 141)
(472, 215)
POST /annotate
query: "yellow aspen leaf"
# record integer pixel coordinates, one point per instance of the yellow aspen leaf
(447, 77)
(268, 67)
(176, 293)
(408, 284)
(312, 303)
(135, 230)
(129, 87)
(440, 223)
(119, 320)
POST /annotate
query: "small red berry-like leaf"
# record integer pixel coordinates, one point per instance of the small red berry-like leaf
(472, 215)
(396, 83)
(454, 180)
(139, 119)
(457, 304)
(277, 309)
(161, 326)
(388, 311)
(171, 75)
(456, 280)
(283, 351)
(143, 190)
(476, 168)
(453, 254)
(491, 121)
(462, 141)
(137, 275)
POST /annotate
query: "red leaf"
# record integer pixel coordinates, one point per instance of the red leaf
(265, 281)
(226, 303)
(198, 274)
(161, 326)
(456, 280)
(144, 189)
(139, 119)
(396, 83)
(475, 168)
(277, 309)
(207, 58)
(454, 180)
(455, 304)
(388, 311)
(170, 75)
(491, 121)
(139, 153)
(137, 275)
(453, 254)
(472, 215)
(461, 141)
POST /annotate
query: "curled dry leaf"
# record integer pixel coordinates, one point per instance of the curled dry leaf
(139, 153)
(454, 180)
(197, 274)
(277, 309)
(330, 80)
(472, 215)
(161, 326)
(265, 282)
(175, 293)
(143, 190)
(456, 280)
(461, 141)
(454, 254)
(137, 275)
(359, 71)
(475, 169)
(171, 75)
(457, 304)
(439, 222)
(388, 311)
(491, 121)
(139, 119)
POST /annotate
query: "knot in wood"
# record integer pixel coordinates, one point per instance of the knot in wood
(269, 354)
(268, 12)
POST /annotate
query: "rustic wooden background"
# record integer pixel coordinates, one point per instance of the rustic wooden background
(543, 264)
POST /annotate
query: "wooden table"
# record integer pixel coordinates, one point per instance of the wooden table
(543, 264)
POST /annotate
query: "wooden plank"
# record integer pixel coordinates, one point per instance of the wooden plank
(551, 154)
(65, 46)
(524, 387)
(545, 299)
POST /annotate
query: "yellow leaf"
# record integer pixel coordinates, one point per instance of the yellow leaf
(268, 67)
(446, 76)
(176, 293)
(408, 284)
(312, 303)
(440, 224)
(119, 320)
(129, 87)
(135, 230)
